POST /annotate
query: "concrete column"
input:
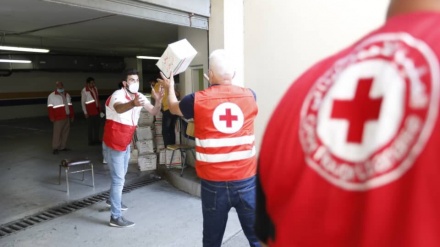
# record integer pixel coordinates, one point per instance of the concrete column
(226, 31)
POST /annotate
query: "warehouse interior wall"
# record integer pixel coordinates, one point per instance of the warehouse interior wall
(283, 38)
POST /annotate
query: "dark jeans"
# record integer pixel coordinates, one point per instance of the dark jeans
(217, 199)
(93, 123)
(168, 128)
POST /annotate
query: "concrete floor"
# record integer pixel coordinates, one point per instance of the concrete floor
(164, 215)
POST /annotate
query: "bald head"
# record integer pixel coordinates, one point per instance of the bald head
(398, 7)
(221, 68)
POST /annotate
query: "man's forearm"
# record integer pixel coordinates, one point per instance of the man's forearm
(123, 107)
(173, 103)
(156, 107)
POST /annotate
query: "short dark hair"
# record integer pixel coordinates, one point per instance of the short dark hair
(130, 72)
(90, 79)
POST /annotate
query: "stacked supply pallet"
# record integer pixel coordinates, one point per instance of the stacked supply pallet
(147, 158)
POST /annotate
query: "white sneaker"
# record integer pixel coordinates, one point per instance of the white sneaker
(104, 161)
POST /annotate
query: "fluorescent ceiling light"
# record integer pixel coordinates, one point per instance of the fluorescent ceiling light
(13, 48)
(148, 57)
(14, 61)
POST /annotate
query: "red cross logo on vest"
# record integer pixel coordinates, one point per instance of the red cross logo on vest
(228, 118)
(368, 117)
(358, 111)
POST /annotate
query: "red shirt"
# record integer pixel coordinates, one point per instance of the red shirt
(350, 156)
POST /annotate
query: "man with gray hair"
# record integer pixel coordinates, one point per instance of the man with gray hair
(225, 147)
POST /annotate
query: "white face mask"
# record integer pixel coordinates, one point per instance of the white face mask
(133, 88)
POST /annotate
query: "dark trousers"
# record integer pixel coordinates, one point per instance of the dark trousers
(168, 128)
(217, 199)
(93, 123)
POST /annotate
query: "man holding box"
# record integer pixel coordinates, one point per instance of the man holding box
(123, 108)
(225, 147)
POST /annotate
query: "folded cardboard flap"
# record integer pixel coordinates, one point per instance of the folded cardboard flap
(176, 57)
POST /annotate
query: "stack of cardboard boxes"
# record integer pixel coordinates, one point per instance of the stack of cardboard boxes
(147, 158)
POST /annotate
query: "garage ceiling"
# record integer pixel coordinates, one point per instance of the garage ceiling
(66, 29)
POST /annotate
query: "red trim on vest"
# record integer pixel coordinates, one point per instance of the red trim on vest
(117, 136)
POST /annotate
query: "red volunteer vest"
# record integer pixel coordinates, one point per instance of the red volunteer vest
(117, 135)
(224, 131)
(57, 108)
(350, 156)
(92, 106)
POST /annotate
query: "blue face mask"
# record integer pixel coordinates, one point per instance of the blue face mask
(60, 90)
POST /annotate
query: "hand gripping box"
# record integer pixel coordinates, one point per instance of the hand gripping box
(176, 57)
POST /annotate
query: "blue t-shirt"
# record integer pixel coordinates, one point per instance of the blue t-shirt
(186, 105)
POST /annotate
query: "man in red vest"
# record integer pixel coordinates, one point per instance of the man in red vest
(91, 108)
(350, 155)
(123, 109)
(59, 105)
(225, 147)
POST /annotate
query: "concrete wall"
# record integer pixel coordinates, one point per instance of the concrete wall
(198, 38)
(283, 38)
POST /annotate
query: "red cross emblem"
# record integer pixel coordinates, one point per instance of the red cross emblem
(358, 110)
(370, 114)
(228, 117)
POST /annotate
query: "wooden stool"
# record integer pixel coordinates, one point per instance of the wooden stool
(66, 164)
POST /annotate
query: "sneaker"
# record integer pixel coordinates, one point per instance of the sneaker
(120, 222)
(104, 161)
(123, 207)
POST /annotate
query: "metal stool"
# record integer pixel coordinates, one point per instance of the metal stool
(66, 164)
(183, 153)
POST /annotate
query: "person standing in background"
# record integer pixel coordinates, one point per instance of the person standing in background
(59, 105)
(168, 119)
(91, 108)
(226, 161)
(350, 155)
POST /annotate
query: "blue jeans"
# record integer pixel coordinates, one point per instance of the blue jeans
(117, 162)
(217, 199)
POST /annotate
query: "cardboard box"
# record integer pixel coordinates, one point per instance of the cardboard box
(133, 156)
(145, 118)
(176, 57)
(158, 128)
(145, 146)
(165, 157)
(147, 162)
(159, 142)
(144, 133)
